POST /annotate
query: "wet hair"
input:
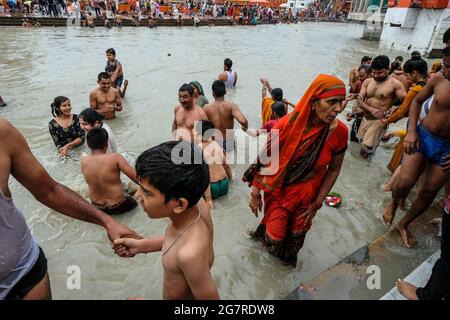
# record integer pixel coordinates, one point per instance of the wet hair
(380, 62)
(110, 69)
(399, 58)
(56, 105)
(415, 53)
(103, 75)
(446, 52)
(202, 127)
(416, 64)
(365, 60)
(395, 66)
(188, 179)
(188, 88)
(279, 108)
(365, 67)
(111, 51)
(218, 88)
(90, 116)
(277, 94)
(97, 138)
(446, 37)
(228, 63)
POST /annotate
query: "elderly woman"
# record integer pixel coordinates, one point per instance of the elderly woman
(65, 128)
(311, 144)
(199, 95)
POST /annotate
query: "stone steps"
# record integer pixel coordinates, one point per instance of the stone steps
(353, 278)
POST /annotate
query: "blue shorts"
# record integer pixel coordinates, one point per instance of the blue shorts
(433, 147)
(119, 82)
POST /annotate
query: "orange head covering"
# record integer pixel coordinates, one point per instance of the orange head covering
(292, 127)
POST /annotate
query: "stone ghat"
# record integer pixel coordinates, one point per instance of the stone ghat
(63, 22)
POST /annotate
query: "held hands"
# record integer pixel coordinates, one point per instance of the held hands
(410, 144)
(64, 151)
(126, 247)
(376, 113)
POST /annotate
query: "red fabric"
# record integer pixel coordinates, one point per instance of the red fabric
(283, 207)
(292, 133)
(270, 124)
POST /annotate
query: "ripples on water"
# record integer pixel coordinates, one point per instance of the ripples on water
(39, 64)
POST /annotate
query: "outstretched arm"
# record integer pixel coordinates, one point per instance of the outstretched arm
(237, 114)
(125, 167)
(128, 247)
(30, 173)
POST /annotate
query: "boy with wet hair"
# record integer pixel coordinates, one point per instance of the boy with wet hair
(101, 172)
(173, 177)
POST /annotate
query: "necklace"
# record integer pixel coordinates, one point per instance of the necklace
(179, 236)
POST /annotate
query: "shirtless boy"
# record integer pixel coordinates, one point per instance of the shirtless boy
(427, 150)
(168, 190)
(105, 99)
(102, 174)
(219, 171)
(375, 99)
(186, 113)
(118, 20)
(222, 114)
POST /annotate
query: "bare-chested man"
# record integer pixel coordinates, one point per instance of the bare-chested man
(353, 75)
(186, 114)
(102, 174)
(222, 114)
(105, 99)
(23, 267)
(375, 99)
(90, 20)
(427, 150)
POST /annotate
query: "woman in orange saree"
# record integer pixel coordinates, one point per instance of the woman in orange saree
(311, 143)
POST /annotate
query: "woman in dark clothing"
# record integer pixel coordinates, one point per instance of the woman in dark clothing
(65, 128)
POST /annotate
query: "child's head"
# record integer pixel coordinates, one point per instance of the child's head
(278, 109)
(277, 94)
(109, 69)
(204, 129)
(111, 54)
(173, 176)
(97, 139)
(90, 118)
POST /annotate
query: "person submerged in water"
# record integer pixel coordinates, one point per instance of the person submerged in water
(101, 172)
(278, 111)
(219, 171)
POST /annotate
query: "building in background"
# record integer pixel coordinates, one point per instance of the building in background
(416, 25)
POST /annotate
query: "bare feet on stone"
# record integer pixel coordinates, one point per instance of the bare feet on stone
(407, 289)
(388, 216)
(408, 239)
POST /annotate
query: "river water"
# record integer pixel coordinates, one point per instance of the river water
(38, 64)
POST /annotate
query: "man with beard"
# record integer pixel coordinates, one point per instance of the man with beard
(186, 114)
(375, 99)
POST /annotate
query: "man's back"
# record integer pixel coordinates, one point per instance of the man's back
(220, 113)
(102, 174)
